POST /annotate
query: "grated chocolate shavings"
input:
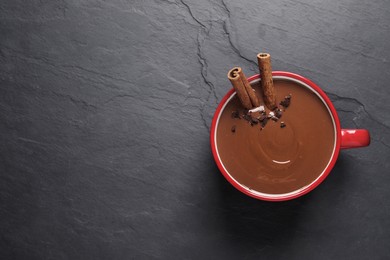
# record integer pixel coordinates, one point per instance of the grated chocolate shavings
(286, 102)
(254, 121)
(262, 117)
(278, 113)
(247, 117)
(264, 122)
(235, 114)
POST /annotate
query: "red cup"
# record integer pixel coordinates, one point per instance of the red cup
(345, 139)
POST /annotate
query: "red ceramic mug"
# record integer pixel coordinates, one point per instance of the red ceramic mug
(344, 139)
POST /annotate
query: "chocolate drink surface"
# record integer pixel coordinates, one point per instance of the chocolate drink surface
(284, 156)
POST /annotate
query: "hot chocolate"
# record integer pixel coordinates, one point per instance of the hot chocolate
(284, 155)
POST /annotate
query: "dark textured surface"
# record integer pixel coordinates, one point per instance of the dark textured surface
(105, 108)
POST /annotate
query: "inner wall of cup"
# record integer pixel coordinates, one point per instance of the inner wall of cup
(274, 196)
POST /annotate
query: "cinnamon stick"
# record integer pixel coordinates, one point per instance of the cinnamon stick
(251, 93)
(236, 79)
(265, 68)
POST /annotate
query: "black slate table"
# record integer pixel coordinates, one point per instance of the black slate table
(105, 110)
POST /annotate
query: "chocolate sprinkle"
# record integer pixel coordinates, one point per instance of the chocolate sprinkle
(233, 129)
(282, 125)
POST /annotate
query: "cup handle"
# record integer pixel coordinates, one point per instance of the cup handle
(354, 138)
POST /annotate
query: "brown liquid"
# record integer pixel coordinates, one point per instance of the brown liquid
(278, 160)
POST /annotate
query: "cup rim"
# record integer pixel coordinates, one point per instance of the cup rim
(303, 190)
